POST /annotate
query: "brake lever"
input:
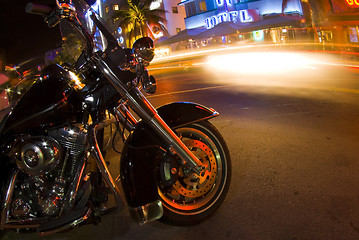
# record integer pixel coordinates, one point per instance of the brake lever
(52, 19)
(50, 15)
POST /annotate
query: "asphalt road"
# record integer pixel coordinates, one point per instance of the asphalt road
(293, 136)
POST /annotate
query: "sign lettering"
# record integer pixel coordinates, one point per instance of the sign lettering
(246, 15)
(353, 2)
(222, 17)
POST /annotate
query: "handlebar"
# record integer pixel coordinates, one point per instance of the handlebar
(53, 16)
(39, 9)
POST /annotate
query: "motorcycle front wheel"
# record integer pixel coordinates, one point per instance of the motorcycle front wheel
(193, 198)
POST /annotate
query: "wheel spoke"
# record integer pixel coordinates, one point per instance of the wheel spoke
(191, 191)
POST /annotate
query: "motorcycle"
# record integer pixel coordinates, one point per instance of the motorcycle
(174, 164)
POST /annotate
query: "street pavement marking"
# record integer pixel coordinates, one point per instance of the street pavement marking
(336, 89)
(289, 114)
(349, 90)
(187, 91)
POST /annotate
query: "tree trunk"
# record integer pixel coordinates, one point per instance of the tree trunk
(308, 15)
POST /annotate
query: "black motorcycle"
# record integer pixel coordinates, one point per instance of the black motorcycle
(174, 164)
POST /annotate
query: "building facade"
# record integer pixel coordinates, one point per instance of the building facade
(106, 9)
(344, 21)
(208, 13)
(175, 15)
(335, 20)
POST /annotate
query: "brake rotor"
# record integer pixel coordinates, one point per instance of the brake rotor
(195, 185)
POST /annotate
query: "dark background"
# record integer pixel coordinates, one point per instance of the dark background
(24, 36)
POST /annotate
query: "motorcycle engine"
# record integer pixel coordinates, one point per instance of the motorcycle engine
(38, 155)
(47, 165)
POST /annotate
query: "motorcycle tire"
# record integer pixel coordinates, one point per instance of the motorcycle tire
(193, 198)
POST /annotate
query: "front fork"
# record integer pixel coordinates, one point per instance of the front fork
(102, 166)
(148, 113)
(145, 110)
(141, 188)
(137, 175)
(138, 180)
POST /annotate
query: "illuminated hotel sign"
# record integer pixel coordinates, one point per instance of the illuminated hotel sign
(225, 5)
(222, 17)
(227, 13)
(354, 3)
(246, 15)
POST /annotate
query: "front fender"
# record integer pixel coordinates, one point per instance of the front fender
(181, 113)
(138, 173)
(142, 153)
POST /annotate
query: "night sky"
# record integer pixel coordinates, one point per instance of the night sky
(24, 36)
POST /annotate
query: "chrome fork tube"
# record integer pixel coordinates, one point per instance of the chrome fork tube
(147, 112)
(125, 117)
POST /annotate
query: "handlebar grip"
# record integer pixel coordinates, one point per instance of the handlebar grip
(34, 8)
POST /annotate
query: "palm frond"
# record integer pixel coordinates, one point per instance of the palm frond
(284, 4)
(135, 16)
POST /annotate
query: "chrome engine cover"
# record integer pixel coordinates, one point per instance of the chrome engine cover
(37, 155)
(48, 175)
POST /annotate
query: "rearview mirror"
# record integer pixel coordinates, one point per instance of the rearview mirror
(143, 50)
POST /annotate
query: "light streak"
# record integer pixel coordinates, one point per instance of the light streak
(262, 63)
(307, 47)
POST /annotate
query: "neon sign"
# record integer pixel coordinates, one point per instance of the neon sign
(222, 17)
(220, 3)
(258, 35)
(353, 2)
(225, 5)
(246, 15)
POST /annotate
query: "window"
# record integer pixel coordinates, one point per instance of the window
(107, 9)
(353, 34)
(115, 20)
(174, 10)
(202, 6)
(115, 7)
(195, 7)
(178, 30)
(190, 9)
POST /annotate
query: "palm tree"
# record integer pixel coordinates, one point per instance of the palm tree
(284, 5)
(307, 12)
(315, 13)
(319, 9)
(136, 16)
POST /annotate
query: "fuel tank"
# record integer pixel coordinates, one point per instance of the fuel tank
(50, 101)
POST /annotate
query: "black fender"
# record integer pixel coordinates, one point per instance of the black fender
(138, 173)
(181, 113)
(138, 166)
(144, 149)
